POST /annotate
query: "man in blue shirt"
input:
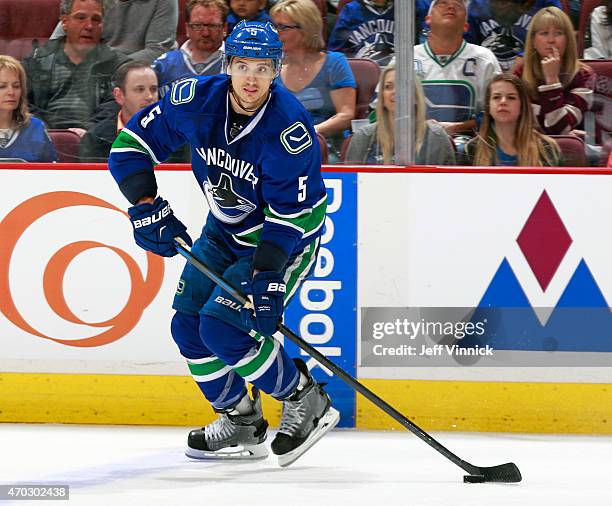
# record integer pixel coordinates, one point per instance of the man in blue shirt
(257, 160)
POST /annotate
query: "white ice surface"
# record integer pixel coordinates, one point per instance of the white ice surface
(146, 466)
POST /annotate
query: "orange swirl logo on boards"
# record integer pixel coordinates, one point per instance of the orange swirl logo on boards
(142, 292)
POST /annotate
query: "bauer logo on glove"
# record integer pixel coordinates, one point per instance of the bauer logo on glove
(152, 219)
(155, 227)
(277, 287)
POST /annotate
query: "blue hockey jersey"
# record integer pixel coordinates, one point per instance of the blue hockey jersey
(31, 144)
(364, 31)
(263, 185)
(506, 42)
(175, 65)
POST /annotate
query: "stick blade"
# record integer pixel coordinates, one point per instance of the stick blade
(504, 473)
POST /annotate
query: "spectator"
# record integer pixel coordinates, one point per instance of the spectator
(375, 143)
(508, 134)
(70, 77)
(321, 80)
(135, 88)
(600, 33)
(454, 73)
(610, 160)
(501, 26)
(200, 55)
(140, 29)
(559, 85)
(22, 136)
(246, 10)
(364, 29)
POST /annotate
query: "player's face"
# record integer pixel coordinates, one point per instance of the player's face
(251, 79)
(83, 26)
(10, 91)
(289, 32)
(205, 29)
(505, 103)
(389, 91)
(140, 91)
(448, 14)
(246, 9)
(549, 38)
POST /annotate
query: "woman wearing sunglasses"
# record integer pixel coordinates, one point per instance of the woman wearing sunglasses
(321, 80)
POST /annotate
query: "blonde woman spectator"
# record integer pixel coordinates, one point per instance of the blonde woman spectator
(21, 134)
(559, 85)
(507, 134)
(375, 143)
(600, 33)
(321, 80)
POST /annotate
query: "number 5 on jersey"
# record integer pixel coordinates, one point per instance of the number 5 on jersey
(302, 188)
(149, 117)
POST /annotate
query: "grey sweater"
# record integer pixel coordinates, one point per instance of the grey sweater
(437, 148)
(140, 29)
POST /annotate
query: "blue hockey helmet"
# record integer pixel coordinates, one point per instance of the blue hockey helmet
(254, 39)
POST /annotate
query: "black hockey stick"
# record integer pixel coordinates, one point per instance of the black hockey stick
(504, 473)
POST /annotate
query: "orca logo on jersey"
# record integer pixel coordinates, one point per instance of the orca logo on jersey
(225, 204)
(296, 138)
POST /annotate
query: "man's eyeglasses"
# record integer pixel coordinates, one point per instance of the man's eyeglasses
(198, 27)
(284, 28)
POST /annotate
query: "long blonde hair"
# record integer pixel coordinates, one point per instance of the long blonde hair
(530, 144)
(385, 136)
(21, 115)
(532, 68)
(306, 14)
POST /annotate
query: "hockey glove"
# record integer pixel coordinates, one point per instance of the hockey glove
(155, 227)
(268, 291)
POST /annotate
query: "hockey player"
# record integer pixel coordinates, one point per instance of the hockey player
(256, 157)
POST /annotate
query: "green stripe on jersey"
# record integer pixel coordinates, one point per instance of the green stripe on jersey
(125, 140)
(309, 220)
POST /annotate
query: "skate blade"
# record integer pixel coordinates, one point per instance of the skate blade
(246, 452)
(327, 423)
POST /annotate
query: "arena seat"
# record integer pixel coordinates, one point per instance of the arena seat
(66, 145)
(324, 149)
(322, 6)
(586, 8)
(573, 150)
(181, 35)
(366, 74)
(23, 21)
(598, 121)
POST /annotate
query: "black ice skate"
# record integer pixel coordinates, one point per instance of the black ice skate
(307, 417)
(231, 436)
